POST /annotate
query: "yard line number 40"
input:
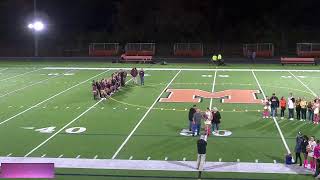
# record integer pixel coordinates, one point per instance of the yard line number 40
(72, 130)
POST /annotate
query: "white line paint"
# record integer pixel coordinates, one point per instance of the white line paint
(185, 69)
(61, 155)
(184, 159)
(8, 155)
(212, 90)
(95, 157)
(44, 155)
(143, 117)
(166, 158)
(274, 119)
(313, 93)
(53, 135)
(20, 75)
(131, 157)
(78, 157)
(182, 166)
(274, 161)
(238, 160)
(26, 110)
(220, 159)
(257, 160)
(148, 158)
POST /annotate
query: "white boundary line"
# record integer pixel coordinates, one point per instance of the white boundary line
(53, 135)
(274, 119)
(186, 69)
(313, 93)
(143, 117)
(39, 82)
(213, 84)
(20, 74)
(2, 122)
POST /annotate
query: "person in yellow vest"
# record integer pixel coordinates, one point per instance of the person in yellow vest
(214, 59)
(220, 60)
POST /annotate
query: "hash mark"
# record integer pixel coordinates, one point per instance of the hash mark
(220, 159)
(78, 157)
(61, 155)
(43, 155)
(238, 160)
(149, 158)
(131, 157)
(184, 159)
(78, 107)
(8, 155)
(95, 157)
(166, 158)
(257, 160)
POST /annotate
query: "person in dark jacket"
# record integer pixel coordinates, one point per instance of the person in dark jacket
(202, 150)
(304, 144)
(274, 104)
(134, 73)
(192, 110)
(298, 148)
(216, 119)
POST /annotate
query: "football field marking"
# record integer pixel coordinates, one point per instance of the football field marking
(3, 69)
(313, 93)
(68, 89)
(274, 119)
(61, 129)
(143, 117)
(20, 75)
(39, 82)
(212, 90)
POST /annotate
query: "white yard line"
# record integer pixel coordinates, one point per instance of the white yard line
(155, 165)
(26, 110)
(186, 69)
(20, 74)
(274, 119)
(143, 117)
(65, 126)
(213, 84)
(313, 93)
(39, 82)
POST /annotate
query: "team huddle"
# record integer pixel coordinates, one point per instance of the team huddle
(108, 86)
(301, 106)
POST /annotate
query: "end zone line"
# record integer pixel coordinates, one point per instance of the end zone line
(313, 93)
(213, 84)
(53, 135)
(20, 74)
(274, 119)
(143, 117)
(51, 97)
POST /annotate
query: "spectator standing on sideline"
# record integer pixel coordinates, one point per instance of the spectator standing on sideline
(310, 148)
(207, 122)
(298, 148)
(141, 74)
(192, 110)
(283, 105)
(298, 109)
(202, 150)
(304, 145)
(303, 105)
(274, 104)
(316, 107)
(216, 119)
(291, 108)
(197, 116)
(316, 155)
(134, 73)
(310, 111)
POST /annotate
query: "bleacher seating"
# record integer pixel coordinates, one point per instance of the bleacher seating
(286, 60)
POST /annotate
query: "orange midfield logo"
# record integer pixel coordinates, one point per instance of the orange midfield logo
(227, 96)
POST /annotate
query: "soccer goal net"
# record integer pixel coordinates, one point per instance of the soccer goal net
(140, 49)
(308, 49)
(103, 49)
(261, 49)
(188, 49)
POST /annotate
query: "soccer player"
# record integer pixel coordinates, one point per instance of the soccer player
(283, 105)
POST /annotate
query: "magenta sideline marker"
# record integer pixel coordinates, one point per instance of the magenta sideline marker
(27, 170)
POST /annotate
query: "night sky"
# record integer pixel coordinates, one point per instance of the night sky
(163, 20)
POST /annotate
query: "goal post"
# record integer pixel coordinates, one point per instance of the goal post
(261, 49)
(140, 49)
(308, 50)
(188, 49)
(103, 49)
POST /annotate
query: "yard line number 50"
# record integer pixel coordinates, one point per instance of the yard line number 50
(72, 130)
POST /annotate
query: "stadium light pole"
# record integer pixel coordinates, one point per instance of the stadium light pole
(36, 26)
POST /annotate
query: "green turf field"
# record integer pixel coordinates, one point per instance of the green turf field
(50, 113)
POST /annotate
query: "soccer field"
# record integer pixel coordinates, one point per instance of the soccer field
(49, 112)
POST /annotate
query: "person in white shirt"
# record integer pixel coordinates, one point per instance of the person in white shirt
(291, 108)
